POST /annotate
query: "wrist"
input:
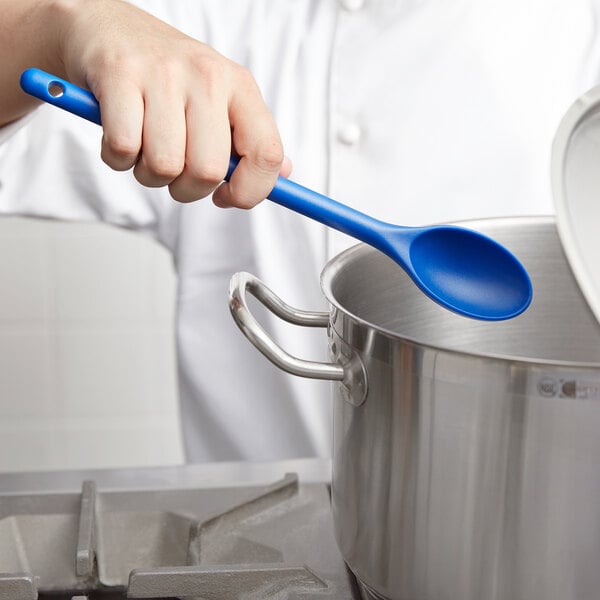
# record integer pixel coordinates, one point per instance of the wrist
(60, 18)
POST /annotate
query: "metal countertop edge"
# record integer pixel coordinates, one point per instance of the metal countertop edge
(199, 475)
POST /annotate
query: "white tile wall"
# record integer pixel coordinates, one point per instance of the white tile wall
(87, 349)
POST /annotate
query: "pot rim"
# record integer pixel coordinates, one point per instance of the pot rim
(335, 264)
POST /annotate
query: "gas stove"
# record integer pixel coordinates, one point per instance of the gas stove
(213, 532)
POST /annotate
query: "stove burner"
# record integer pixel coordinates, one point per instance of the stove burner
(271, 541)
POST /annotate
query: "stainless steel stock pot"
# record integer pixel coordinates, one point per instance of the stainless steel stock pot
(466, 454)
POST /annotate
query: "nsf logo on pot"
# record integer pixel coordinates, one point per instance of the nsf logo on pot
(548, 387)
(551, 387)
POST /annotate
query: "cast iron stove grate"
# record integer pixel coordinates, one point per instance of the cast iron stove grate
(250, 542)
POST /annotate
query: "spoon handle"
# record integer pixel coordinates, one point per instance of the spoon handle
(81, 102)
(61, 93)
(323, 209)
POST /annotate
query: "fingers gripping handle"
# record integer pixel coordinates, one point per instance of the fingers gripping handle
(351, 374)
(70, 97)
(73, 99)
(81, 102)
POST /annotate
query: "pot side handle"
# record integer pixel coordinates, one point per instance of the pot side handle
(350, 373)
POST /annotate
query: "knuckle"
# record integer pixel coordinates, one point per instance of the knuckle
(245, 78)
(164, 167)
(170, 70)
(242, 203)
(182, 196)
(114, 66)
(245, 204)
(269, 155)
(209, 67)
(184, 192)
(121, 146)
(240, 199)
(208, 173)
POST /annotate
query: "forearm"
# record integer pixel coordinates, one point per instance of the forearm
(30, 36)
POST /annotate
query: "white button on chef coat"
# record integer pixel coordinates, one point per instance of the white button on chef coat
(455, 107)
(352, 5)
(349, 133)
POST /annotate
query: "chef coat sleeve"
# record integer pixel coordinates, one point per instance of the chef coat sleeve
(7, 131)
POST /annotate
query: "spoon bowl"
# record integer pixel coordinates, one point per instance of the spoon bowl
(466, 272)
(460, 269)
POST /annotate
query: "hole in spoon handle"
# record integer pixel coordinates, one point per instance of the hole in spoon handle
(61, 93)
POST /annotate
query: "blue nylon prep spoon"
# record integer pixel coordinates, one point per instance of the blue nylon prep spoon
(460, 269)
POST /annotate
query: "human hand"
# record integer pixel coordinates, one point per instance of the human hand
(172, 107)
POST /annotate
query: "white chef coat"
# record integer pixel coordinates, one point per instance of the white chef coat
(415, 111)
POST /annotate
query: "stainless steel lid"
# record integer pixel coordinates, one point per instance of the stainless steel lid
(576, 191)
